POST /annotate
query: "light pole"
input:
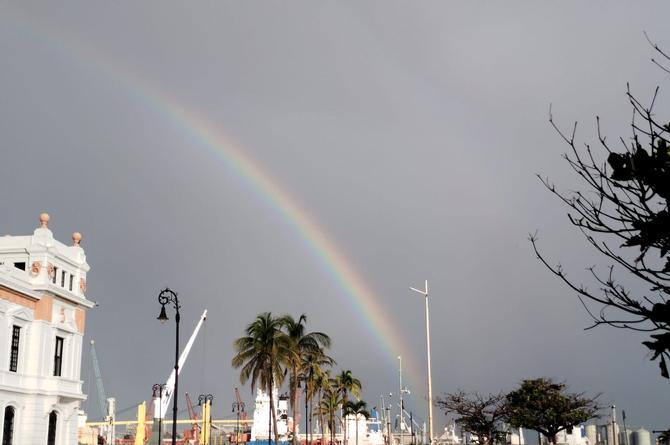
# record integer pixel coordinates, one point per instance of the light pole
(400, 397)
(614, 441)
(388, 419)
(238, 406)
(159, 388)
(430, 381)
(383, 419)
(168, 296)
(206, 401)
(304, 380)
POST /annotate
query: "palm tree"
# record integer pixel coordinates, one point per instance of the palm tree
(302, 343)
(328, 407)
(347, 383)
(262, 353)
(322, 384)
(312, 369)
(357, 409)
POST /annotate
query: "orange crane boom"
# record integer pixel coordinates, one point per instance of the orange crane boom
(243, 413)
(195, 429)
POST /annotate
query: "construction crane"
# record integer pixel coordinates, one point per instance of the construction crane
(240, 404)
(238, 407)
(102, 396)
(194, 432)
(166, 394)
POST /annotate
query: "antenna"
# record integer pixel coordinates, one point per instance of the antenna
(422, 292)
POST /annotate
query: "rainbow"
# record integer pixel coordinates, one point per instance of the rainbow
(359, 296)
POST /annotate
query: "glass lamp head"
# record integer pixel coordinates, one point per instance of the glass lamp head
(163, 316)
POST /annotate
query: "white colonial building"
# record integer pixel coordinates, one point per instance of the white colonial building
(42, 318)
(259, 429)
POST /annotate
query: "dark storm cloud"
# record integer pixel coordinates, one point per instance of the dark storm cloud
(412, 135)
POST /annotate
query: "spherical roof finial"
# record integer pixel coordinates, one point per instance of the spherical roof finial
(44, 220)
(76, 238)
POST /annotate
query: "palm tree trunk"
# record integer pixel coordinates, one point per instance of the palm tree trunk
(274, 417)
(311, 409)
(332, 432)
(321, 417)
(345, 399)
(270, 421)
(294, 401)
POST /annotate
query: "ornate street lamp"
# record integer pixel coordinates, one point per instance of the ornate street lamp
(159, 388)
(168, 296)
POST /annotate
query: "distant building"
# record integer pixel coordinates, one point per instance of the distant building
(42, 319)
(259, 429)
(576, 435)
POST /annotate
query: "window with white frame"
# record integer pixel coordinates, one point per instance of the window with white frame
(14, 349)
(51, 432)
(58, 356)
(8, 426)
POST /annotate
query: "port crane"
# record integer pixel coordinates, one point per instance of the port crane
(161, 403)
(238, 407)
(194, 432)
(102, 396)
(240, 404)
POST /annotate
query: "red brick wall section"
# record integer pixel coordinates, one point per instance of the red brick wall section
(17, 298)
(80, 319)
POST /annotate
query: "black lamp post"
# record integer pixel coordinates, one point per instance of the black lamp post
(238, 407)
(202, 400)
(304, 380)
(159, 388)
(167, 296)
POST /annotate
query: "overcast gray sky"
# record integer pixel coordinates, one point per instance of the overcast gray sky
(410, 132)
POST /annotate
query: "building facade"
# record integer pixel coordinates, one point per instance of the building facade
(42, 320)
(259, 429)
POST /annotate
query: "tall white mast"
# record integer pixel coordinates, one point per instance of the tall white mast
(402, 408)
(430, 380)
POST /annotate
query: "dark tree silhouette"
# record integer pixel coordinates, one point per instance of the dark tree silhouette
(544, 406)
(263, 353)
(303, 344)
(358, 409)
(481, 415)
(623, 214)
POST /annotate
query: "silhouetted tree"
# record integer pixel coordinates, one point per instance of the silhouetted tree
(625, 205)
(346, 383)
(544, 406)
(357, 409)
(303, 344)
(263, 353)
(481, 415)
(315, 375)
(328, 407)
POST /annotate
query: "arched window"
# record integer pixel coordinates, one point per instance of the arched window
(8, 426)
(51, 434)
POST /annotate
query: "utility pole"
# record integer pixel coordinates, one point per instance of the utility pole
(402, 408)
(388, 420)
(430, 380)
(625, 431)
(383, 417)
(613, 425)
